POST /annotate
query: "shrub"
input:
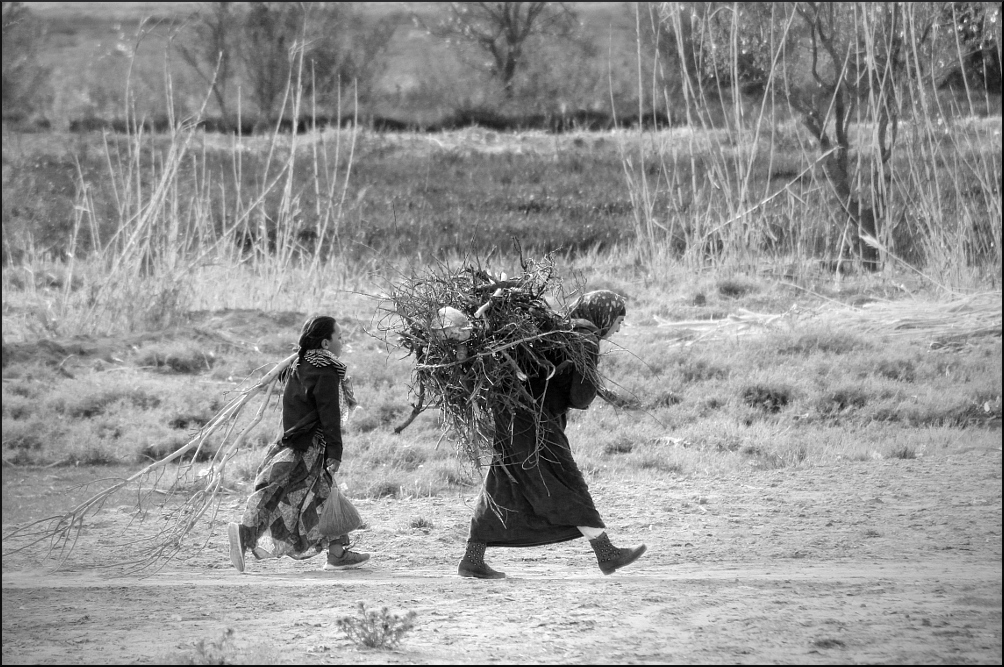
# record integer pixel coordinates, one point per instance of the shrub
(735, 288)
(659, 464)
(27, 435)
(185, 358)
(699, 370)
(87, 405)
(381, 415)
(210, 652)
(773, 459)
(900, 370)
(767, 398)
(386, 488)
(622, 445)
(839, 400)
(17, 407)
(903, 452)
(155, 451)
(372, 629)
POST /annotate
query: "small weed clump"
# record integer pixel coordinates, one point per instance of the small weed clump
(664, 399)
(903, 452)
(372, 629)
(622, 445)
(658, 464)
(898, 370)
(421, 523)
(385, 489)
(210, 652)
(841, 400)
(701, 370)
(767, 398)
(734, 288)
(184, 358)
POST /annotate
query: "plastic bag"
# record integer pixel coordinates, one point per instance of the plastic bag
(338, 516)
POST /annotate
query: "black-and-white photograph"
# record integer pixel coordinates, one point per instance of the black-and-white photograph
(501, 333)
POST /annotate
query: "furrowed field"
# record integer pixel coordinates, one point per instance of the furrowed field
(811, 445)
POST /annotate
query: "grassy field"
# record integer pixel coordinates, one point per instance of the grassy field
(145, 277)
(711, 398)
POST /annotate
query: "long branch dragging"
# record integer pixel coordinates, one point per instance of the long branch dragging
(191, 495)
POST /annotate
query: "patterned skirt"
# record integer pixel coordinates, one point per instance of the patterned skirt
(289, 490)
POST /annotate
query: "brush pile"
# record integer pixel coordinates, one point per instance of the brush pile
(477, 338)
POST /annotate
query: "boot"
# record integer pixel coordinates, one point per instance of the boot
(473, 564)
(611, 558)
(240, 537)
(339, 556)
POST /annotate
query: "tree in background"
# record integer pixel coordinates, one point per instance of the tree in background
(257, 45)
(208, 46)
(270, 31)
(502, 30)
(978, 26)
(830, 64)
(25, 80)
(346, 51)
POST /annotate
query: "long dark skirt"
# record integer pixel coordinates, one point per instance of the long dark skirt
(289, 490)
(546, 497)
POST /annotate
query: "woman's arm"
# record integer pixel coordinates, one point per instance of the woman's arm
(326, 400)
(581, 390)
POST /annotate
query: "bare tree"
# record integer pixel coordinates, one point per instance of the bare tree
(256, 44)
(209, 47)
(24, 78)
(270, 31)
(831, 63)
(502, 30)
(345, 50)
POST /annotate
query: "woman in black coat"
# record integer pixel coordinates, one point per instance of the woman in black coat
(282, 515)
(535, 494)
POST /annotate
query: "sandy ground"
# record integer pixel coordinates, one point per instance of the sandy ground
(889, 561)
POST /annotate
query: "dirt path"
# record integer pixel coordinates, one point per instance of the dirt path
(877, 561)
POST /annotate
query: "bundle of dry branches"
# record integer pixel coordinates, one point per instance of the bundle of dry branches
(477, 338)
(175, 492)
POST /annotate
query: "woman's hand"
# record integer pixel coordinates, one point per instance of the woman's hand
(333, 467)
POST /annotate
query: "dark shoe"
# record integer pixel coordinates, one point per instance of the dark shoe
(611, 558)
(468, 569)
(473, 563)
(347, 561)
(237, 546)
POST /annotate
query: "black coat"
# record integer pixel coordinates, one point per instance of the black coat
(309, 405)
(540, 493)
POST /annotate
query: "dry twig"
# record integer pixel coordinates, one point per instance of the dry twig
(190, 495)
(514, 335)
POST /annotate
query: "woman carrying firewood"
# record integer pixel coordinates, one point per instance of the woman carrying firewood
(534, 493)
(295, 478)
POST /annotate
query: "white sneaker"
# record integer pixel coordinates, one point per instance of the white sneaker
(236, 548)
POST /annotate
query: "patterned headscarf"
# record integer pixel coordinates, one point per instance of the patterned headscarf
(601, 307)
